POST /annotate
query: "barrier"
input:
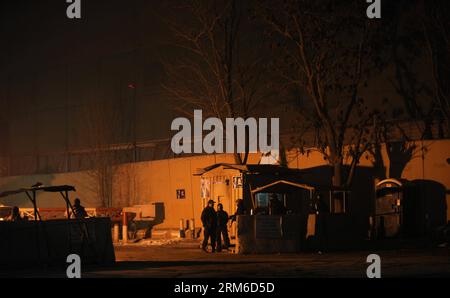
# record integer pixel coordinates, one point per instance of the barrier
(269, 234)
(295, 233)
(182, 231)
(116, 233)
(28, 243)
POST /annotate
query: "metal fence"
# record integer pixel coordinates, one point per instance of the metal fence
(82, 159)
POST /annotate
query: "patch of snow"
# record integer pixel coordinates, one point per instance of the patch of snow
(152, 242)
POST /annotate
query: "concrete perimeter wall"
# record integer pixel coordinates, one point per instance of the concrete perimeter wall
(157, 181)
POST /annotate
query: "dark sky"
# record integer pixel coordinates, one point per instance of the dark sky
(50, 62)
(38, 33)
(52, 66)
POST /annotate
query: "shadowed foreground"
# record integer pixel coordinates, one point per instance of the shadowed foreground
(185, 259)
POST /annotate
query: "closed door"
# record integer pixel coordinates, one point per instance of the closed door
(388, 215)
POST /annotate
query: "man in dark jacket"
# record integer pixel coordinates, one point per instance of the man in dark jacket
(240, 210)
(15, 215)
(222, 229)
(209, 221)
(78, 209)
(276, 207)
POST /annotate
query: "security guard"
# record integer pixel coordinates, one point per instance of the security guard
(209, 221)
(222, 230)
(78, 209)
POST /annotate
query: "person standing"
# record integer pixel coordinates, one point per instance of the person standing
(276, 207)
(15, 215)
(209, 221)
(222, 229)
(78, 209)
(240, 210)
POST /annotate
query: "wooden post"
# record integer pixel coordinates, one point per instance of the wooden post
(182, 234)
(116, 232)
(124, 228)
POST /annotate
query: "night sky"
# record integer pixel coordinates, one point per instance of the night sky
(50, 62)
(51, 66)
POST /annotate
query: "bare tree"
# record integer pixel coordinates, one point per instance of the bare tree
(436, 24)
(105, 126)
(326, 50)
(421, 57)
(4, 132)
(217, 67)
(400, 148)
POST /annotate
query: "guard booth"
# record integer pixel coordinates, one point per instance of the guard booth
(259, 229)
(389, 215)
(405, 209)
(222, 183)
(268, 229)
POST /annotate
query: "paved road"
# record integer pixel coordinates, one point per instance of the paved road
(185, 259)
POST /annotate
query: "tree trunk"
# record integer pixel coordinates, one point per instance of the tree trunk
(337, 173)
(336, 204)
(351, 172)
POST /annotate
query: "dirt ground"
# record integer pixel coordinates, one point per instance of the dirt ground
(185, 260)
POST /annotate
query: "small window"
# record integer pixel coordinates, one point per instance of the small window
(181, 194)
(262, 200)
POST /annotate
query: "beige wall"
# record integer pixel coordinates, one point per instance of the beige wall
(157, 181)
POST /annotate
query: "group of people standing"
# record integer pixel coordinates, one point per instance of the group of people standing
(215, 226)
